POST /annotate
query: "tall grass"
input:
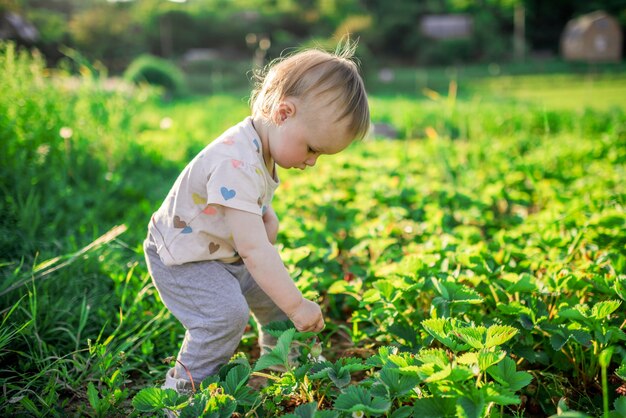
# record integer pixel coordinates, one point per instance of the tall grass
(72, 303)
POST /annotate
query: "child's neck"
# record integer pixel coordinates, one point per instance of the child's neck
(262, 129)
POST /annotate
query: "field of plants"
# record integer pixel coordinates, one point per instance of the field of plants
(475, 267)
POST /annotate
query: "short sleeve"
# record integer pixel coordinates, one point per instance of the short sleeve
(236, 184)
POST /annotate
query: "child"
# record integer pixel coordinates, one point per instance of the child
(210, 245)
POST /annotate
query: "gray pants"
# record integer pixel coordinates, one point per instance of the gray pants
(213, 301)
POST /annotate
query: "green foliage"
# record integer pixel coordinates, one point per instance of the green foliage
(473, 269)
(156, 71)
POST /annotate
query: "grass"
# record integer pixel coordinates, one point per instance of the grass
(530, 182)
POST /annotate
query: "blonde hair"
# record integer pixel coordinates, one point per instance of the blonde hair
(318, 72)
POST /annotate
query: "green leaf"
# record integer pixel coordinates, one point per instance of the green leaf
(468, 408)
(499, 334)
(440, 288)
(499, 395)
(558, 340)
(621, 370)
(524, 283)
(620, 406)
(370, 296)
(277, 328)
(442, 329)
(602, 310)
(386, 288)
(93, 396)
(236, 378)
(474, 336)
(196, 407)
(279, 354)
(397, 383)
(577, 313)
(487, 359)
(306, 410)
(309, 410)
(506, 374)
(359, 399)
(339, 377)
(437, 356)
(434, 408)
(150, 399)
(402, 412)
(582, 337)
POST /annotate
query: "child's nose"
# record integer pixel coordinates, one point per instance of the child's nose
(311, 160)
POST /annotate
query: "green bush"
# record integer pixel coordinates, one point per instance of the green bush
(156, 71)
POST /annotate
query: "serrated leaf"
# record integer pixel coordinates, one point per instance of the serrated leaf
(339, 377)
(558, 340)
(236, 378)
(471, 357)
(505, 373)
(620, 406)
(582, 337)
(437, 356)
(434, 408)
(352, 364)
(386, 288)
(439, 375)
(474, 336)
(602, 310)
(621, 371)
(150, 399)
(279, 354)
(402, 412)
(371, 296)
(468, 408)
(577, 313)
(499, 395)
(277, 328)
(195, 408)
(303, 411)
(499, 334)
(463, 294)
(524, 283)
(487, 359)
(398, 384)
(440, 288)
(358, 399)
(441, 329)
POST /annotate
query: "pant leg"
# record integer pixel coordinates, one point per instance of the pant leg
(264, 310)
(209, 303)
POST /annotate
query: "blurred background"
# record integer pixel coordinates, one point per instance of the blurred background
(214, 42)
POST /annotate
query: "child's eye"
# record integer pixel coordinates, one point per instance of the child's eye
(311, 150)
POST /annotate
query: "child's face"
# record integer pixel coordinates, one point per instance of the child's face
(306, 130)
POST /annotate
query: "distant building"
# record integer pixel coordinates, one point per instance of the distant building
(593, 37)
(14, 26)
(452, 26)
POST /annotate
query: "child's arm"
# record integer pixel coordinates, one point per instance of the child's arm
(265, 265)
(270, 221)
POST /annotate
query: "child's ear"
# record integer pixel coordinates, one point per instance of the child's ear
(286, 109)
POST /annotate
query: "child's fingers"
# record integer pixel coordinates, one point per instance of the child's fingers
(320, 325)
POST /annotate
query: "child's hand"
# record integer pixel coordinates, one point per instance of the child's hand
(308, 317)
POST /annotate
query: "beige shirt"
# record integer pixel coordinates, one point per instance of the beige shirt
(230, 172)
